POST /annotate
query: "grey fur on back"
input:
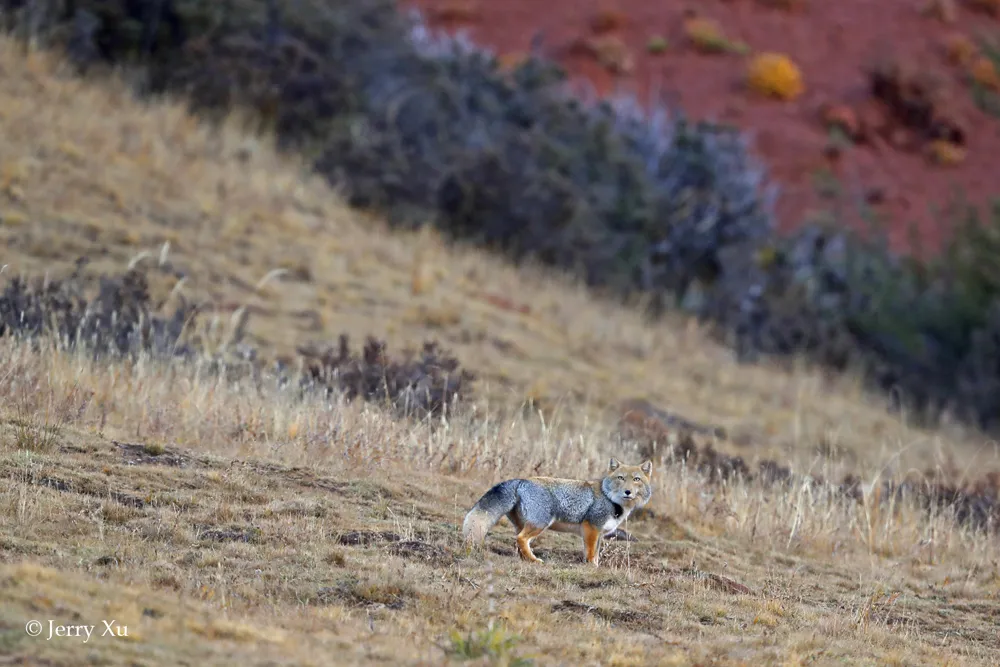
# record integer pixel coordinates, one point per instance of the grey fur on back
(540, 506)
(528, 502)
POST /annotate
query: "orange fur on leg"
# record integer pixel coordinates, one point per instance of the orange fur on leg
(524, 538)
(591, 538)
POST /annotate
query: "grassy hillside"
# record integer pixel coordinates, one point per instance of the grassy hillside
(221, 523)
(289, 533)
(86, 172)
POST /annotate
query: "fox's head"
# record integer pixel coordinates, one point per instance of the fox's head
(628, 486)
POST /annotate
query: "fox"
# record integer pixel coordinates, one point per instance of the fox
(590, 508)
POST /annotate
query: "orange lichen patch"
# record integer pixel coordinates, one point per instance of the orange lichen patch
(775, 75)
(945, 153)
(959, 49)
(607, 20)
(707, 36)
(609, 50)
(984, 72)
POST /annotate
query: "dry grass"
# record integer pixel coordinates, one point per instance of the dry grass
(224, 523)
(86, 171)
(216, 521)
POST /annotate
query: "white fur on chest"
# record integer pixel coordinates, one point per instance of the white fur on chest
(612, 523)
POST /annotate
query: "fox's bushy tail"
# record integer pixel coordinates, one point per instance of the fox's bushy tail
(496, 502)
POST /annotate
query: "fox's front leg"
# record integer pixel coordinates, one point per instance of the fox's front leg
(591, 542)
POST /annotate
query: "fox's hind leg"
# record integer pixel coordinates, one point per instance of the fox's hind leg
(591, 542)
(528, 533)
(518, 524)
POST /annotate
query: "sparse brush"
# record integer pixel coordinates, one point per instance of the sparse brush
(494, 643)
(428, 385)
(119, 319)
(657, 45)
(708, 37)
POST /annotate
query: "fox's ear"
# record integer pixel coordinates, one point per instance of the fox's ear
(647, 468)
(614, 464)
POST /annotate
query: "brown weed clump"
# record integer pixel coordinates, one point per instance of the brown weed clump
(428, 384)
(119, 319)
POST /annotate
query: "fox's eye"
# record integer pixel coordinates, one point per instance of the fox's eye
(636, 480)
(621, 477)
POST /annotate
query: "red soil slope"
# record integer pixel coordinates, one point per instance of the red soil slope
(898, 170)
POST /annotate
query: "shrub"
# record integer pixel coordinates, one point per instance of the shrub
(707, 36)
(422, 386)
(119, 319)
(775, 75)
